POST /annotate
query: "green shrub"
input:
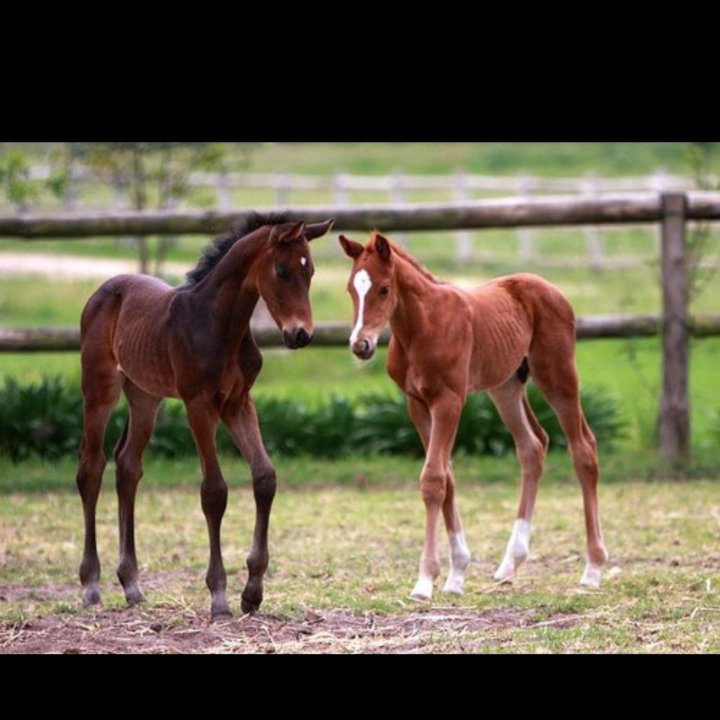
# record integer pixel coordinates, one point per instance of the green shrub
(45, 420)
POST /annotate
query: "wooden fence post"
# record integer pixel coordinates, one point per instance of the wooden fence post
(658, 183)
(223, 191)
(525, 236)
(593, 234)
(397, 195)
(675, 405)
(463, 238)
(282, 190)
(70, 198)
(340, 198)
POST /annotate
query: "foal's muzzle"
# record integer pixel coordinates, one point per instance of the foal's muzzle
(296, 338)
(363, 348)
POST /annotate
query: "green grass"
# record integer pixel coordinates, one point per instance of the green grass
(486, 158)
(348, 536)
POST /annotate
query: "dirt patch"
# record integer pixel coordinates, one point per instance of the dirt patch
(169, 630)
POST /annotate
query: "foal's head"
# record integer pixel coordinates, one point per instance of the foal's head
(283, 279)
(372, 287)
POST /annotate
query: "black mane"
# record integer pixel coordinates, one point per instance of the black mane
(219, 247)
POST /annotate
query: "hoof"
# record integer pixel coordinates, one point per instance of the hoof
(454, 586)
(91, 596)
(505, 574)
(422, 592)
(251, 597)
(249, 607)
(220, 615)
(134, 597)
(591, 576)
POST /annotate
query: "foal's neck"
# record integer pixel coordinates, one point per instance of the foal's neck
(416, 290)
(229, 292)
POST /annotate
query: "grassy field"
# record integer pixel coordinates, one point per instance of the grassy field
(543, 158)
(345, 542)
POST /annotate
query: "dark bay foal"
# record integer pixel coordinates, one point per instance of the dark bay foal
(152, 341)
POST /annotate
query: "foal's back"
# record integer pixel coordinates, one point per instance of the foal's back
(512, 316)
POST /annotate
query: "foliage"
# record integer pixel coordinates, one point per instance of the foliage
(45, 420)
(16, 181)
(699, 238)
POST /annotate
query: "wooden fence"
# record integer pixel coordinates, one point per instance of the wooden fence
(398, 188)
(670, 210)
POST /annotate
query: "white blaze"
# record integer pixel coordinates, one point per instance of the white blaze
(361, 283)
(303, 261)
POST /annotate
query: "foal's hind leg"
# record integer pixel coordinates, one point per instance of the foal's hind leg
(129, 470)
(100, 390)
(530, 444)
(242, 422)
(459, 553)
(558, 381)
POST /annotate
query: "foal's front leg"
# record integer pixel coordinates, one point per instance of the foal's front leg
(242, 422)
(459, 553)
(445, 415)
(203, 419)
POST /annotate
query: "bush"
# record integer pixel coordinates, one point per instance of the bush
(45, 420)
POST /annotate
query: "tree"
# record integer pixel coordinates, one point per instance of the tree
(151, 175)
(17, 184)
(700, 156)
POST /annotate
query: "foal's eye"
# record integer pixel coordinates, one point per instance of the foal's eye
(282, 271)
(384, 290)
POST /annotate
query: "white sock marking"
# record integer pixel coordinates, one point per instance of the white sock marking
(459, 559)
(517, 550)
(423, 588)
(361, 283)
(591, 576)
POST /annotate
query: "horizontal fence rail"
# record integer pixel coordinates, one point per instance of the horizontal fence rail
(336, 334)
(659, 180)
(513, 212)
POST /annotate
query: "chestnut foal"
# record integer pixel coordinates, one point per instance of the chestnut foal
(193, 342)
(446, 343)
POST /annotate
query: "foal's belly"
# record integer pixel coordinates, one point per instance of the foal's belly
(497, 354)
(142, 356)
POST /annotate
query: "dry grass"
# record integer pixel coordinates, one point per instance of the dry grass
(344, 560)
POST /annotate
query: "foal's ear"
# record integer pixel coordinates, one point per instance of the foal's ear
(352, 249)
(317, 230)
(287, 232)
(382, 247)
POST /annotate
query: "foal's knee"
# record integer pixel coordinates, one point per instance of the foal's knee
(129, 470)
(586, 463)
(433, 486)
(214, 497)
(264, 485)
(87, 479)
(532, 454)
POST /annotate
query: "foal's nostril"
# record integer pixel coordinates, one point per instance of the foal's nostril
(302, 338)
(363, 348)
(296, 338)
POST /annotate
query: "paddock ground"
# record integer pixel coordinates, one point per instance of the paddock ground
(345, 546)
